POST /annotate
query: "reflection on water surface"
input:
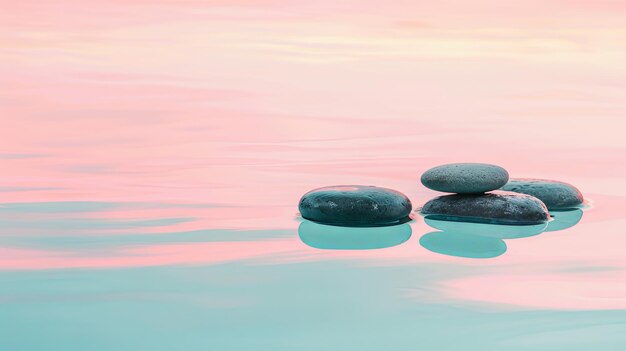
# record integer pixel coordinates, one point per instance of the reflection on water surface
(153, 156)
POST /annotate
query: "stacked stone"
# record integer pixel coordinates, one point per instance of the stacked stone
(483, 193)
(475, 198)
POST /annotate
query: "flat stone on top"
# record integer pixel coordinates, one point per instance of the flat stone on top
(500, 207)
(355, 205)
(465, 178)
(556, 195)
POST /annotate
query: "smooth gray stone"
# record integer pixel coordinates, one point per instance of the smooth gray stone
(499, 207)
(465, 178)
(355, 206)
(556, 195)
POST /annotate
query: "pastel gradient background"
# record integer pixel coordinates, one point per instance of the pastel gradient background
(153, 153)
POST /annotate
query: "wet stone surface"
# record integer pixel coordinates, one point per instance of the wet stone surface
(498, 207)
(355, 205)
(554, 194)
(465, 178)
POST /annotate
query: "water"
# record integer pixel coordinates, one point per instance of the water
(153, 157)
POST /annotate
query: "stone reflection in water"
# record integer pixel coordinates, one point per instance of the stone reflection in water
(474, 240)
(564, 219)
(486, 229)
(330, 237)
(483, 240)
(463, 245)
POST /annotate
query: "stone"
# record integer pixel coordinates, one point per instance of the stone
(498, 207)
(330, 237)
(355, 206)
(465, 178)
(556, 195)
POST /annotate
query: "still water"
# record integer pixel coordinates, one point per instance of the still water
(153, 155)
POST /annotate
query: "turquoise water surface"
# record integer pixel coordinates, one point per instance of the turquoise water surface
(96, 293)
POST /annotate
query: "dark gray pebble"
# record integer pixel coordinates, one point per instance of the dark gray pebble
(556, 195)
(355, 205)
(465, 178)
(498, 207)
